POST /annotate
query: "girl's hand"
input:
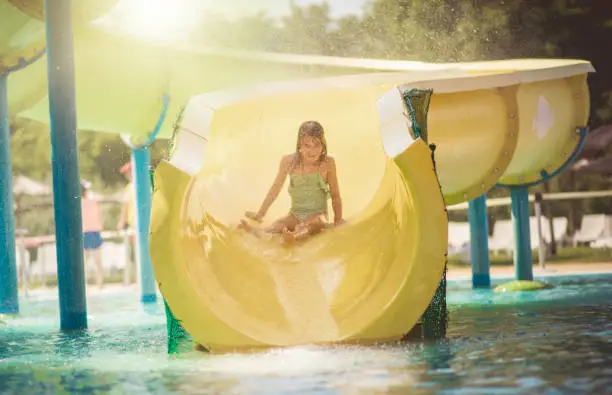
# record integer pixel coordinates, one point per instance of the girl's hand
(339, 222)
(254, 216)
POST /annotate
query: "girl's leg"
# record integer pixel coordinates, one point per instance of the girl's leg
(315, 224)
(288, 222)
(310, 226)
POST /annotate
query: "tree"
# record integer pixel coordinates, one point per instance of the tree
(30, 152)
(306, 29)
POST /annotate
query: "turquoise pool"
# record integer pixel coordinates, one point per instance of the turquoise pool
(555, 341)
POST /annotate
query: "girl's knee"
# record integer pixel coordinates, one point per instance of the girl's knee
(316, 227)
(282, 224)
(312, 225)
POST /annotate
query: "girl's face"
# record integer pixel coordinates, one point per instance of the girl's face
(311, 149)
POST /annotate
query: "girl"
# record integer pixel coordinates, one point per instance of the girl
(312, 179)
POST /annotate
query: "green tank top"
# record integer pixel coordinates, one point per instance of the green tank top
(309, 194)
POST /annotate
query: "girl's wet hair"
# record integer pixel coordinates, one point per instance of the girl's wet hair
(312, 129)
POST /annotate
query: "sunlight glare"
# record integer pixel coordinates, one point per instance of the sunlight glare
(159, 19)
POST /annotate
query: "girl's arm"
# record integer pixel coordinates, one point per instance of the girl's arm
(275, 189)
(332, 180)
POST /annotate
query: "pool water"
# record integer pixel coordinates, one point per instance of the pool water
(556, 341)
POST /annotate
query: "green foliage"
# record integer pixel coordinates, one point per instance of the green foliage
(307, 28)
(100, 158)
(30, 150)
(435, 30)
(100, 155)
(604, 112)
(420, 30)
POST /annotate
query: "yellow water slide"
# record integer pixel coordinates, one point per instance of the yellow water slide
(83, 11)
(357, 283)
(21, 37)
(22, 46)
(371, 279)
(21, 43)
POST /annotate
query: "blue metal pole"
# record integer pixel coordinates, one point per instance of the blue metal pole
(141, 159)
(64, 158)
(522, 238)
(479, 242)
(9, 299)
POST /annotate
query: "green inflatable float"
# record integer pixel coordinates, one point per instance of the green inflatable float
(522, 285)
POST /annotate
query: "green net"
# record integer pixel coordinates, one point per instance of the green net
(417, 101)
(176, 127)
(435, 319)
(178, 338)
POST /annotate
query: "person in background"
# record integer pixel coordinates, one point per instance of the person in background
(92, 228)
(126, 223)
